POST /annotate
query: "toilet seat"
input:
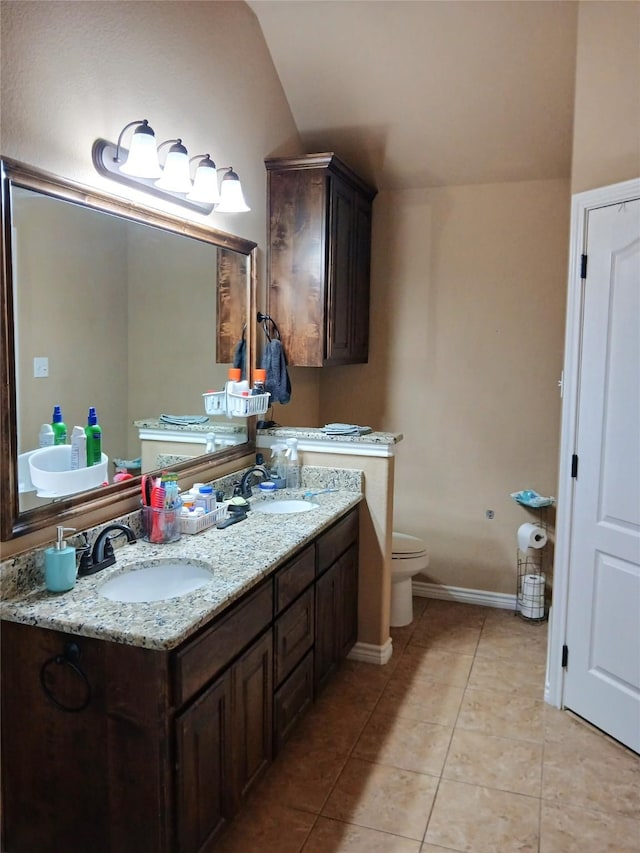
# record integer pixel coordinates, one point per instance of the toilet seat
(405, 547)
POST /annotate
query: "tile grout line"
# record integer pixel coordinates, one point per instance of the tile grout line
(453, 729)
(348, 757)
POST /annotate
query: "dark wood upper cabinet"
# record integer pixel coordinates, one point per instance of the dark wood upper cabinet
(318, 259)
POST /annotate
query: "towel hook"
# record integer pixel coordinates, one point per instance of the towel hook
(264, 319)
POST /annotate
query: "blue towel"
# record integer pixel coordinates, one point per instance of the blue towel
(274, 362)
(240, 357)
(345, 429)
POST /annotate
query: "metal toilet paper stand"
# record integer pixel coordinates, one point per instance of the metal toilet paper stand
(532, 572)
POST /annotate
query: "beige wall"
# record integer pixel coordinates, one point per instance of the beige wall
(58, 306)
(468, 282)
(467, 340)
(75, 71)
(606, 128)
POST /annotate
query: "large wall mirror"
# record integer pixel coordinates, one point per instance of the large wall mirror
(106, 303)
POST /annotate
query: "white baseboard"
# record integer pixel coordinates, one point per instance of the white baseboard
(422, 589)
(372, 654)
(369, 653)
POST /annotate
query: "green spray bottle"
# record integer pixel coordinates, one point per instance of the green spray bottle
(58, 426)
(94, 439)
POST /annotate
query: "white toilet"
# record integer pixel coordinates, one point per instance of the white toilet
(409, 556)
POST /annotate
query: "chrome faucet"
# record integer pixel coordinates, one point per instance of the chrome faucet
(245, 480)
(103, 555)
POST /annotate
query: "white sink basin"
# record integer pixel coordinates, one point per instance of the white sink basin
(157, 582)
(282, 507)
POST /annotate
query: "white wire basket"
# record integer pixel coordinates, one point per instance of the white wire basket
(215, 402)
(240, 406)
(235, 405)
(197, 523)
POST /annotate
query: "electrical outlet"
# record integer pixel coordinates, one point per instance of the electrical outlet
(40, 367)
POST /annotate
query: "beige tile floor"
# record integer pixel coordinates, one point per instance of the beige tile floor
(448, 747)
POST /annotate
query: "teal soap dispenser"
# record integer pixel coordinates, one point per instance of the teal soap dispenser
(60, 570)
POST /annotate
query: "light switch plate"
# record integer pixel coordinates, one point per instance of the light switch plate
(40, 367)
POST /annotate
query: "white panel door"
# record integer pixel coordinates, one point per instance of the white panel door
(602, 681)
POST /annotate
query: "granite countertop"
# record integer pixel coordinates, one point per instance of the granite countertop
(316, 434)
(216, 426)
(239, 557)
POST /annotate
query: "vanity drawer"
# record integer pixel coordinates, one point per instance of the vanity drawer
(294, 633)
(336, 541)
(291, 700)
(293, 578)
(201, 659)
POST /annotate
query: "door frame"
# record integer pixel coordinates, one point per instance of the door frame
(581, 205)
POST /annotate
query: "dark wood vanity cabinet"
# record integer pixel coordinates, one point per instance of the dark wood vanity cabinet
(203, 766)
(318, 259)
(336, 598)
(223, 745)
(119, 749)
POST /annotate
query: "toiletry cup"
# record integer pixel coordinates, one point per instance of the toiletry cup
(267, 489)
(161, 526)
(60, 576)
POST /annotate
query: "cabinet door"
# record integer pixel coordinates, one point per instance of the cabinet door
(326, 647)
(203, 780)
(252, 736)
(348, 603)
(340, 272)
(359, 349)
(296, 293)
(336, 615)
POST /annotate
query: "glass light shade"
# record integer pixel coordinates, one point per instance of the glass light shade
(205, 183)
(142, 161)
(175, 176)
(231, 197)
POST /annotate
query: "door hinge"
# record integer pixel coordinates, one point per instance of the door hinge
(565, 656)
(574, 466)
(583, 266)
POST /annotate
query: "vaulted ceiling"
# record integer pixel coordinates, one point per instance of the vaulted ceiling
(418, 93)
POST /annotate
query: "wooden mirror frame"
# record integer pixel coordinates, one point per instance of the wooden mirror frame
(13, 523)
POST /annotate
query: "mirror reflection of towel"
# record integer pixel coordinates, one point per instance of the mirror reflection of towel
(277, 382)
(239, 357)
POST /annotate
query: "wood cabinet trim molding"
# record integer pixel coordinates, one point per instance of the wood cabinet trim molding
(322, 161)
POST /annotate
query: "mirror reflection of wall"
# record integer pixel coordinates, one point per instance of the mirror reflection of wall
(125, 314)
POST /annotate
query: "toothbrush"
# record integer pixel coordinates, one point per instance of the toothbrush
(321, 492)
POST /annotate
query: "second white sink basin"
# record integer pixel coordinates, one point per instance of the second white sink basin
(283, 507)
(157, 582)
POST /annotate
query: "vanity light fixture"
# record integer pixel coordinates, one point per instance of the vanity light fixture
(175, 176)
(139, 167)
(205, 181)
(231, 197)
(142, 161)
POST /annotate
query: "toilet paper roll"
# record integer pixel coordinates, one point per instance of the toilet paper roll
(531, 599)
(533, 583)
(531, 536)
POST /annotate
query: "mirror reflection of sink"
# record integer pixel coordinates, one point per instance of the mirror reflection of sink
(169, 579)
(283, 507)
